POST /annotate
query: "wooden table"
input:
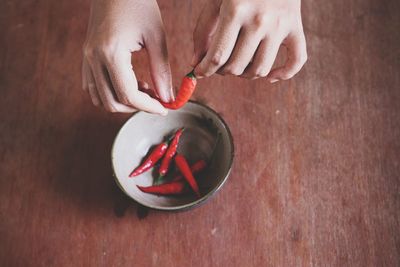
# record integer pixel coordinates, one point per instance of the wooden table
(316, 174)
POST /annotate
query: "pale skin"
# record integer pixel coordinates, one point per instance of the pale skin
(232, 37)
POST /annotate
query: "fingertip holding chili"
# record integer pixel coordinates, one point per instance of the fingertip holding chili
(186, 90)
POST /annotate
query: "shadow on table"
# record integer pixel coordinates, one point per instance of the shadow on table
(84, 175)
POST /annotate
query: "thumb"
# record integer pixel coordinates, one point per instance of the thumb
(205, 28)
(159, 66)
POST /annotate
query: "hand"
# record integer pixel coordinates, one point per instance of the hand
(242, 38)
(116, 29)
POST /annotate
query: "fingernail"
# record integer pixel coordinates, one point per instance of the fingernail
(273, 80)
(171, 91)
(165, 96)
(198, 75)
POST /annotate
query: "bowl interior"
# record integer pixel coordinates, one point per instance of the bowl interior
(206, 137)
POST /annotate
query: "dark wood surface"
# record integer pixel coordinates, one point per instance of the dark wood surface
(316, 174)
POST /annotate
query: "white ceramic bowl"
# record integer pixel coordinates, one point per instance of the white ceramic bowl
(206, 136)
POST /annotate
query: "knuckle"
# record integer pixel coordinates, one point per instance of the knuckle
(105, 50)
(280, 24)
(91, 52)
(217, 59)
(237, 9)
(260, 20)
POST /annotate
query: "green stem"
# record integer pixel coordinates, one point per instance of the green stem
(158, 180)
(191, 75)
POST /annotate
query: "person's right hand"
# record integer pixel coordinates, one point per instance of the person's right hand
(116, 29)
(243, 37)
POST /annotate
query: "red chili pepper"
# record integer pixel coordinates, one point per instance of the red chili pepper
(174, 188)
(151, 160)
(184, 168)
(186, 90)
(171, 151)
(198, 166)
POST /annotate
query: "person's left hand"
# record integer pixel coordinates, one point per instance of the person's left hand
(116, 30)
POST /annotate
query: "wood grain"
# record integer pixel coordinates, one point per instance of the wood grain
(316, 176)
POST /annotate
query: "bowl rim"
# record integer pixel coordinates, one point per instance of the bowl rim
(199, 201)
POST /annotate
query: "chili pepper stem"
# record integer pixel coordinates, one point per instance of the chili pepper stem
(191, 75)
(158, 180)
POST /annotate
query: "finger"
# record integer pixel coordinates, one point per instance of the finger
(84, 79)
(243, 52)
(88, 83)
(263, 59)
(220, 48)
(159, 66)
(150, 92)
(297, 56)
(143, 84)
(104, 89)
(125, 85)
(145, 88)
(205, 28)
(94, 95)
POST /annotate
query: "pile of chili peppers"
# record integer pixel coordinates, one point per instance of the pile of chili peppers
(181, 182)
